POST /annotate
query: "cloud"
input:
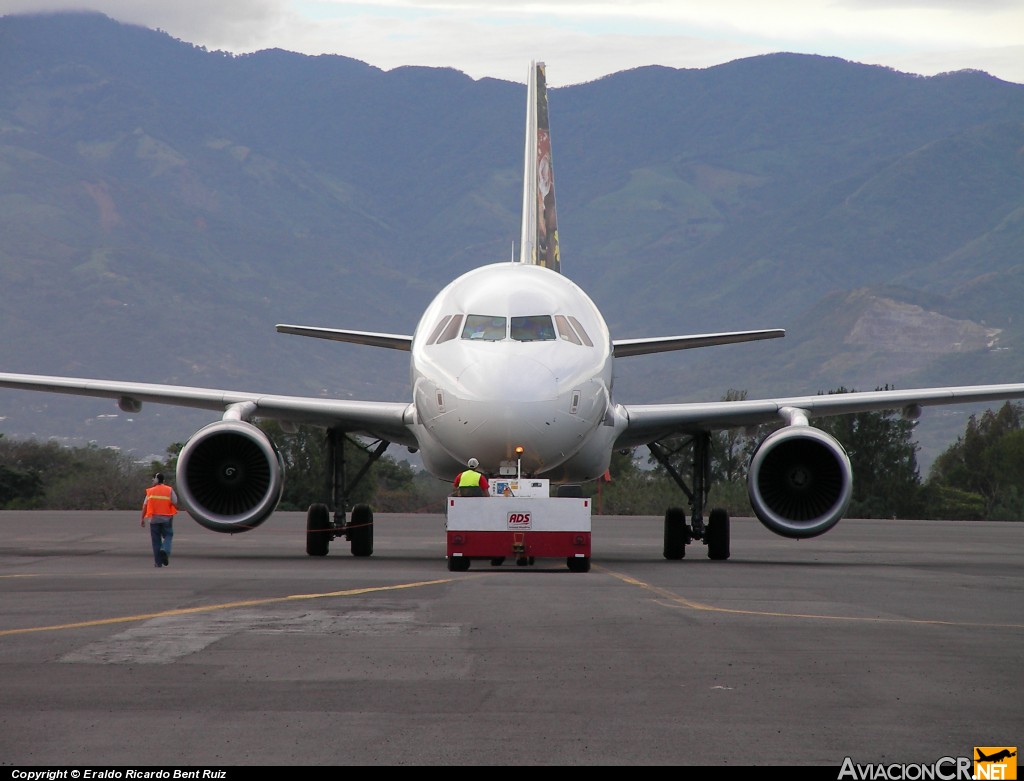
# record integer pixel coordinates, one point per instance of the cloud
(192, 20)
(585, 39)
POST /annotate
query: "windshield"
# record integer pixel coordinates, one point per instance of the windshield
(524, 328)
(534, 328)
(489, 328)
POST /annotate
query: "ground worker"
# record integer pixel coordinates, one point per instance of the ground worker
(471, 482)
(160, 506)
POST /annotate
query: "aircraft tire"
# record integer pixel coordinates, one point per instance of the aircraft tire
(577, 564)
(318, 526)
(718, 535)
(360, 532)
(676, 535)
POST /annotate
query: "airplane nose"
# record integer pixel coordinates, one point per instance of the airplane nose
(504, 402)
(498, 402)
(514, 379)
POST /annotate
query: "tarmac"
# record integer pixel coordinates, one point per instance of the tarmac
(881, 642)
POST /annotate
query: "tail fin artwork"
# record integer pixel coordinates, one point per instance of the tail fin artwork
(539, 241)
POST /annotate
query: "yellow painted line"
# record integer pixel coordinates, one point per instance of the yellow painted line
(223, 606)
(674, 600)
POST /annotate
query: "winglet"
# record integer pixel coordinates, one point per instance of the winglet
(539, 240)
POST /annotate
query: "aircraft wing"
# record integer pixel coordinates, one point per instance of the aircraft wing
(391, 341)
(649, 422)
(622, 347)
(379, 419)
(661, 344)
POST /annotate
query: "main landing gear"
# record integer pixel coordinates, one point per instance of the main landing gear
(321, 528)
(715, 533)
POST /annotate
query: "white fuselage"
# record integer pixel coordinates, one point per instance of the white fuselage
(514, 356)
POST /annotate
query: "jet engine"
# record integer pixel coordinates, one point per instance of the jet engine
(230, 476)
(800, 482)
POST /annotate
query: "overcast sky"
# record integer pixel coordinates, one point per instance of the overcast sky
(581, 40)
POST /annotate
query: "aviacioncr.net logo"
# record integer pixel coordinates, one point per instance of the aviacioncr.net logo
(944, 769)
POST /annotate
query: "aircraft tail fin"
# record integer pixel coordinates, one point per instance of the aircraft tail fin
(539, 239)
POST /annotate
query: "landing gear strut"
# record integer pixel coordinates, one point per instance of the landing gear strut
(320, 527)
(715, 534)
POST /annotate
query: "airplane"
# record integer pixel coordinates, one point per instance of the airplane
(997, 757)
(511, 364)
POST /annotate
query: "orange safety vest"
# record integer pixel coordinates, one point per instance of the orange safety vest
(158, 501)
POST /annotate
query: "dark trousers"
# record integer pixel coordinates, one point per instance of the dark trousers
(161, 533)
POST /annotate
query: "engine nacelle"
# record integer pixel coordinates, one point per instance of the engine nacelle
(800, 482)
(230, 476)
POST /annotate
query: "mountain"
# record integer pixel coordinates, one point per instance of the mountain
(164, 206)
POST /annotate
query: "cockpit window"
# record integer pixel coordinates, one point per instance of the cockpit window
(525, 328)
(437, 330)
(565, 330)
(579, 329)
(534, 328)
(451, 331)
(487, 328)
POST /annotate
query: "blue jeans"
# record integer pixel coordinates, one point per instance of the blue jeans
(161, 533)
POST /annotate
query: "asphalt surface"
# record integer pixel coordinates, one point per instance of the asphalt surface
(882, 641)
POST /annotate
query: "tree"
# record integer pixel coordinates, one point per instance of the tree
(45, 475)
(731, 449)
(36, 475)
(981, 475)
(96, 478)
(730, 453)
(883, 456)
(304, 453)
(389, 485)
(632, 490)
(169, 465)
